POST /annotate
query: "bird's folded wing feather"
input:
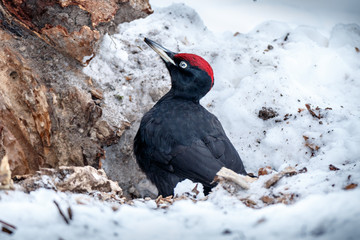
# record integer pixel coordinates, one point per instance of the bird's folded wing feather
(195, 162)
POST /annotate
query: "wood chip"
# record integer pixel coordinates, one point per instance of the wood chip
(268, 200)
(273, 180)
(289, 171)
(89, 81)
(303, 170)
(70, 213)
(232, 176)
(194, 190)
(7, 230)
(115, 208)
(96, 93)
(80, 201)
(312, 112)
(160, 201)
(333, 168)
(312, 147)
(248, 202)
(5, 174)
(261, 220)
(285, 198)
(264, 171)
(351, 186)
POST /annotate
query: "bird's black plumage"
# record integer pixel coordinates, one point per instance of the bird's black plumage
(178, 138)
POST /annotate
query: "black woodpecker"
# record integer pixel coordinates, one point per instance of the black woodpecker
(178, 138)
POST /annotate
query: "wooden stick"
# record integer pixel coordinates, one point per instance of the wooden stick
(229, 174)
(61, 213)
(8, 224)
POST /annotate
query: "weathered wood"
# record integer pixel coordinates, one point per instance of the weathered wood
(50, 111)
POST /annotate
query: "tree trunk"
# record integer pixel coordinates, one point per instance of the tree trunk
(50, 112)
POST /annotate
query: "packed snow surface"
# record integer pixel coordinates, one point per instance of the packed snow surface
(275, 66)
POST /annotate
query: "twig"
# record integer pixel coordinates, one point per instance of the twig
(312, 112)
(8, 224)
(61, 213)
(286, 37)
(70, 213)
(7, 227)
(113, 41)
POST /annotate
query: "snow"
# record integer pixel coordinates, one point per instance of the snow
(221, 217)
(245, 15)
(276, 64)
(189, 189)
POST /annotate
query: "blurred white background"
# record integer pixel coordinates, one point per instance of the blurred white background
(244, 15)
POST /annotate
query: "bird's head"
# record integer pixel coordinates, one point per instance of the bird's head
(191, 76)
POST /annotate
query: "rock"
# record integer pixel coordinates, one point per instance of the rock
(74, 179)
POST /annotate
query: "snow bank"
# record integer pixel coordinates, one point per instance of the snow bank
(274, 66)
(321, 216)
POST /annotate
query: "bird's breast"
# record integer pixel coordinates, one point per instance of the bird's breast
(182, 123)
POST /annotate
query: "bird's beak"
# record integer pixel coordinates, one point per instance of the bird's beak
(164, 53)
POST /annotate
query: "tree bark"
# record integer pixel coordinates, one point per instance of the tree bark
(50, 112)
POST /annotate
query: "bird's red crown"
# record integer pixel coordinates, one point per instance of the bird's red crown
(197, 61)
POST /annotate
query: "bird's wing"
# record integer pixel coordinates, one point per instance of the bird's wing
(204, 158)
(223, 150)
(196, 162)
(199, 161)
(171, 153)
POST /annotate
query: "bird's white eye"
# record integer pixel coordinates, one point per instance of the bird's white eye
(183, 64)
